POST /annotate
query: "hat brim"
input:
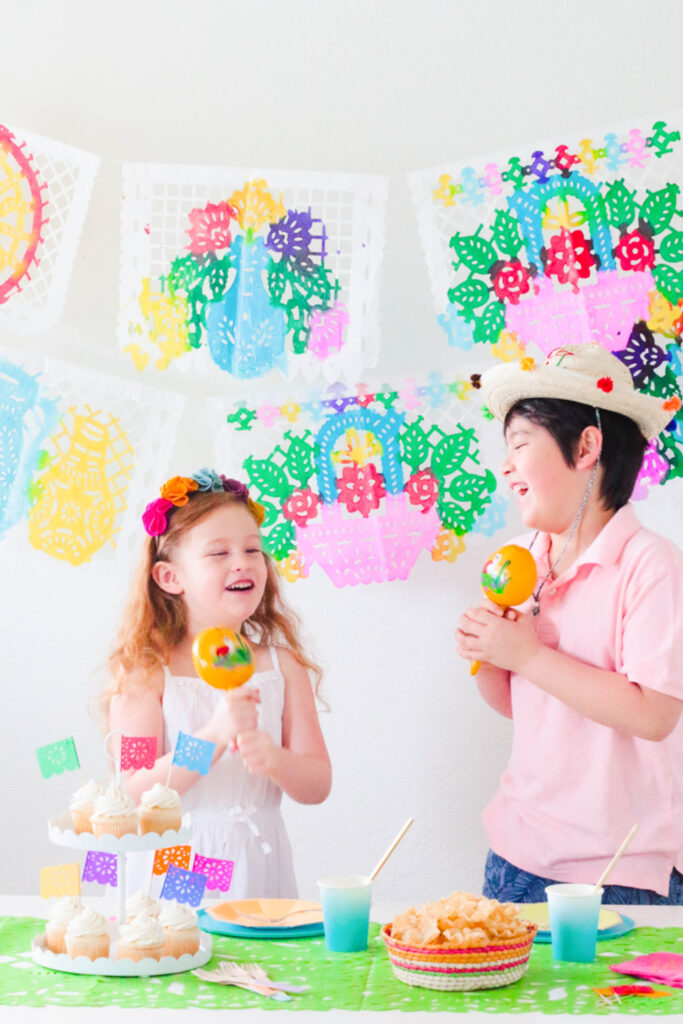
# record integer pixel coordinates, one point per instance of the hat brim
(503, 386)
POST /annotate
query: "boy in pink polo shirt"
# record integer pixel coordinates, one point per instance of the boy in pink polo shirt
(591, 668)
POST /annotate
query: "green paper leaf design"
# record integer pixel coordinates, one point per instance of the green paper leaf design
(455, 517)
(414, 446)
(489, 324)
(450, 453)
(299, 460)
(469, 295)
(474, 252)
(671, 247)
(669, 282)
(469, 486)
(506, 233)
(621, 208)
(267, 478)
(281, 540)
(659, 207)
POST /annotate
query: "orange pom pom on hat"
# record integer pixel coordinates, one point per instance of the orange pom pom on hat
(585, 373)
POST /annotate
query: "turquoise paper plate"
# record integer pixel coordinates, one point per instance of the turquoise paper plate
(238, 931)
(627, 924)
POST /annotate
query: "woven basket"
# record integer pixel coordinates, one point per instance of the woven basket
(451, 968)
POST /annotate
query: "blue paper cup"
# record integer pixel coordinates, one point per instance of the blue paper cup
(346, 912)
(574, 911)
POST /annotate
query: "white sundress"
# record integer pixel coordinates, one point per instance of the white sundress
(235, 815)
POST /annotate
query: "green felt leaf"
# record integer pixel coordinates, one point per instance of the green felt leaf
(281, 540)
(669, 282)
(414, 446)
(299, 460)
(450, 453)
(489, 323)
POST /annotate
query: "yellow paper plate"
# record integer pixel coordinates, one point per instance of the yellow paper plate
(267, 913)
(537, 913)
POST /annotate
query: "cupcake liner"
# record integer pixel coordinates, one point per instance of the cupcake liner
(177, 942)
(56, 932)
(129, 951)
(159, 819)
(114, 826)
(80, 816)
(90, 946)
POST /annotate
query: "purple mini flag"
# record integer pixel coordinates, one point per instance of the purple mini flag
(193, 753)
(138, 752)
(183, 886)
(100, 867)
(59, 757)
(218, 872)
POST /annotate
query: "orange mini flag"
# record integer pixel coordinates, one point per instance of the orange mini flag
(178, 855)
(60, 880)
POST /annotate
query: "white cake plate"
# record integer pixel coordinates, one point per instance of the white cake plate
(60, 831)
(112, 968)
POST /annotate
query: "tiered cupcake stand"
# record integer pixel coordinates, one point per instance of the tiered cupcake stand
(60, 832)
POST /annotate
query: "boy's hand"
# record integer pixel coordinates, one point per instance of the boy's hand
(501, 637)
(257, 750)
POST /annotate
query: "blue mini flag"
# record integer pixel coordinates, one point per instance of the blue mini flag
(183, 886)
(193, 753)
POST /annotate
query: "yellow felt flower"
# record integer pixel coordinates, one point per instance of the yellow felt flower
(447, 546)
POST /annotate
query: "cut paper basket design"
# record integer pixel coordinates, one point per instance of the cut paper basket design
(454, 969)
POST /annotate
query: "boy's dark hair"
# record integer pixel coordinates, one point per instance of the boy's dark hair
(623, 445)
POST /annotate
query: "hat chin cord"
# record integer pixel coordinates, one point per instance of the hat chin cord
(574, 527)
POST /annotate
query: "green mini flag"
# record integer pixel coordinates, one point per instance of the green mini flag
(59, 757)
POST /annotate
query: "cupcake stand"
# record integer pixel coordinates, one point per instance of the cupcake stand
(61, 833)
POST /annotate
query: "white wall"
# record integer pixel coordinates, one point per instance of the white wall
(378, 86)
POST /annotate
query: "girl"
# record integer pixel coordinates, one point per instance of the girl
(203, 565)
(590, 669)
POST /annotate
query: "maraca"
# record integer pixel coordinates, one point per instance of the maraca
(222, 658)
(508, 578)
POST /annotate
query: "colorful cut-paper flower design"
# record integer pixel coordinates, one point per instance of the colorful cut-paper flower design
(21, 214)
(370, 489)
(570, 249)
(254, 285)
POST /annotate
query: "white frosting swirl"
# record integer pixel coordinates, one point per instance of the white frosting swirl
(143, 930)
(160, 796)
(85, 797)
(65, 909)
(88, 922)
(113, 803)
(140, 902)
(177, 916)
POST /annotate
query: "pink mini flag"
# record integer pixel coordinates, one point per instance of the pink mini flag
(60, 880)
(138, 752)
(218, 872)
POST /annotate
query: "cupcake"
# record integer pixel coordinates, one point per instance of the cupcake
(141, 903)
(61, 913)
(140, 938)
(114, 813)
(82, 804)
(87, 934)
(159, 809)
(181, 931)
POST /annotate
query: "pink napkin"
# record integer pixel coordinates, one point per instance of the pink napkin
(666, 968)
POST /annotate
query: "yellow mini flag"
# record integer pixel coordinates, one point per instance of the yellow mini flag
(60, 880)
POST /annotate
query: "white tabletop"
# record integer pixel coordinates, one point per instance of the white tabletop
(33, 906)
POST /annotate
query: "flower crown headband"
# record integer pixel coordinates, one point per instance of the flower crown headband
(179, 489)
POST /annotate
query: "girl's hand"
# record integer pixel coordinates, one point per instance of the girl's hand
(235, 712)
(507, 639)
(257, 750)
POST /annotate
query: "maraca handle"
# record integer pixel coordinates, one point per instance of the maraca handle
(474, 667)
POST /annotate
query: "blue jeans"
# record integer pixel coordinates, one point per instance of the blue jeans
(504, 882)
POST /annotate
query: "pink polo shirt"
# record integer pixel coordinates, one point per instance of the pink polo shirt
(573, 788)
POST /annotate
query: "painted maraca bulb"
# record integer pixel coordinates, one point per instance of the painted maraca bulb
(509, 576)
(222, 658)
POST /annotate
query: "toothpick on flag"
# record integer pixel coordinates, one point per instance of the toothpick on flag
(60, 880)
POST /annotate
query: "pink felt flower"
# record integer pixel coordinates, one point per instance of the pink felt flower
(361, 488)
(301, 506)
(154, 516)
(210, 228)
(422, 489)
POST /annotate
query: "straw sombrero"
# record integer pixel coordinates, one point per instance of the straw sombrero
(577, 373)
